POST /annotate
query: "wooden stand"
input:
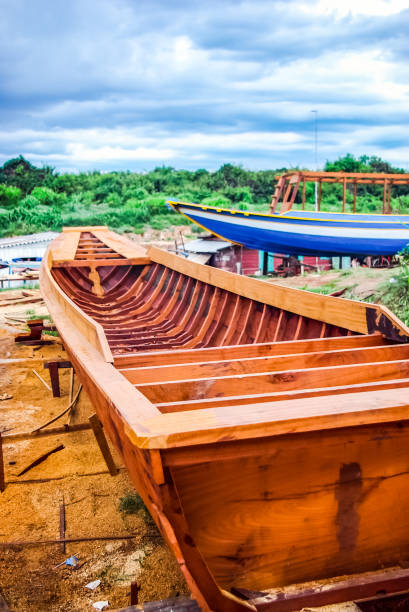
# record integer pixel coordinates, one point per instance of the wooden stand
(53, 367)
(103, 444)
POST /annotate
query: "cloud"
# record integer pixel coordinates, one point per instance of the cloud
(99, 84)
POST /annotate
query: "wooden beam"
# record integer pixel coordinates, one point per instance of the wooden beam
(385, 189)
(40, 459)
(103, 444)
(284, 380)
(245, 351)
(354, 588)
(265, 364)
(85, 263)
(62, 525)
(54, 431)
(344, 194)
(263, 420)
(278, 396)
(354, 204)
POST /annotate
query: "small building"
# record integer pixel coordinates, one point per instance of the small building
(22, 252)
(224, 255)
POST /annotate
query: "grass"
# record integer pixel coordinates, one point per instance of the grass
(132, 503)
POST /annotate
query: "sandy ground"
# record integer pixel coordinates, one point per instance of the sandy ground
(29, 507)
(360, 283)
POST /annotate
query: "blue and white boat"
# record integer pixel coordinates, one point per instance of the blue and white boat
(303, 232)
(317, 233)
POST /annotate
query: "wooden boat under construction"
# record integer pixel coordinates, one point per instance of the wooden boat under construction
(266, 428)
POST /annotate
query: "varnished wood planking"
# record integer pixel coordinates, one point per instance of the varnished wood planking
(241, 400)
(263, 522)
(243, 351)
(281, 380)
(265, 364)
(80, 263)
(264, 419)
(65, 246)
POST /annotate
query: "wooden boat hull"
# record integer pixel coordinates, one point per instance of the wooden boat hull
(265, 429)
(303, 232)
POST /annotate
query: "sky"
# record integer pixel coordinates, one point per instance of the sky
(135, 84)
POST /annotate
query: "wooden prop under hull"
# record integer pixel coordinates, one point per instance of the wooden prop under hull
(265, 428)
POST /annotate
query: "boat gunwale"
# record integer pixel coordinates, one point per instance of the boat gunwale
(283, 216)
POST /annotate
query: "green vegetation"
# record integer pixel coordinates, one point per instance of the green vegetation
(38, 199)
(395, 292)
(132, 503)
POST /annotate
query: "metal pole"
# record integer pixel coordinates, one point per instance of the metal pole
(315, 157)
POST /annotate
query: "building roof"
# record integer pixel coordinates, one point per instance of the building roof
(27, 239)
(201, 245)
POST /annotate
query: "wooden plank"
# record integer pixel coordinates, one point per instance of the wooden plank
(182, 356)
(341, 312)
(265, 364)
(103, 444)
(120, 244)
(85, 228)
(54, 431)
(353, 588)
(40, 459)
(240, 400)
(266, 419)
(65, 246)
(281, 380)
(97, 263)
(306, 507)
(62, 525)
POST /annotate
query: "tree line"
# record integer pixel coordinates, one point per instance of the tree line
(37, 199)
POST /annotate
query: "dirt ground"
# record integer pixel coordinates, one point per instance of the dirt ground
(360, 283)
(30, 504)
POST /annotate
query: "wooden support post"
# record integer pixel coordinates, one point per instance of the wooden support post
(103, 444)
(53, 367)
(303, 194)
(389, 198)
(54, 378)
(2, 478)
(265, 263)
(385, 187)
(354, 205)
(319, 194)
(135, 588)
(71, 390)
(62, 525)
(344, 196)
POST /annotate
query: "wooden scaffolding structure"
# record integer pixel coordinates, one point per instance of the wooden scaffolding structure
(288, 185)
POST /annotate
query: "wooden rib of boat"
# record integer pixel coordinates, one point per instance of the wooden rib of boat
(265, 428)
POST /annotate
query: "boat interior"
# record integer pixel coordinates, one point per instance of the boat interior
(186, 343)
